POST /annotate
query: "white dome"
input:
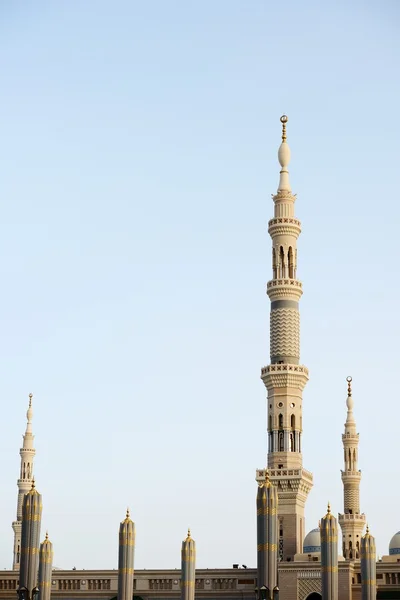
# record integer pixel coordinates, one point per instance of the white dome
(394, 546)
(312, 541)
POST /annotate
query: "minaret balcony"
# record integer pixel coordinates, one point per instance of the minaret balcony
(279, 289)
(284, 375)
(360, 517)
(284, 226)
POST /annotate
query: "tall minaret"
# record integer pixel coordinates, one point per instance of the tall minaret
(285, 378)
(27, 453)
(351, 522)
(45, 568)
(30, 539)
(329, 557)
(368, 567)
(126, 555)
(267, 537)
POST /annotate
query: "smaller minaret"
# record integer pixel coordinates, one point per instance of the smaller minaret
(352, 522)
(368, 567)
(126, 555)
(30, 539)
(267, 536)
(45, 568)
(188, 574)
(27, 453)
(329, 556)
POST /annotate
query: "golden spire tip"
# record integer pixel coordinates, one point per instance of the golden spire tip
(367, 529)
(47, 536)
(188, 534)
(127, 513)
(33, 484)
(284, 119)
(266, 475)
(329, 508)
(349, 380)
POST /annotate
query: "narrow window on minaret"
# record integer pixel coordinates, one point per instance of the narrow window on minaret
(290, 263)
(280, 421)
(281, 263)
(274, 269)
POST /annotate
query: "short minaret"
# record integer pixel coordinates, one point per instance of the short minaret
(329, 557)
(188, 574)
(45, 568)
(126, 555)
(27, 453)
(368, 567)
(351, 521)
(267, 536)
(285, 378)
(30, 539)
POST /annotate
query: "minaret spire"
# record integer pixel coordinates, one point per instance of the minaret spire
(351, 521)
(285, 378)
(27, 453)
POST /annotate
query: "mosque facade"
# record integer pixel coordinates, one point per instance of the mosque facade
(291, 565)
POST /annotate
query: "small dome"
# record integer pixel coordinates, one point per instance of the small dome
(312, 541)
(394, 546)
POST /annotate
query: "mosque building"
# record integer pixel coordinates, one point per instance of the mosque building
(291, 564)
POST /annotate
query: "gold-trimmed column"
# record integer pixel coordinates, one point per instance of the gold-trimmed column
(368, 567)
(329, 556)
(267, 535)
(188, 573)
(45, 568)
(30, 539)
(126, 555)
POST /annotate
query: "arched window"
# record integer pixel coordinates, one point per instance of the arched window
(282, 273)
(350, 468)
(293, 422)
(280, 421)
(291, 442)
(281, 446)
(291, 263)
(274, 269)
(270, 423)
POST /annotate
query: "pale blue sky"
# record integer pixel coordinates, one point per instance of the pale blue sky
(138, 157)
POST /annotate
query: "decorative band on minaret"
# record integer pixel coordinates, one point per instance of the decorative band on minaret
(352, 522)
(27, 453)
(285, 378)
(329, 557)
(267, 537)
(30, 539)
(188, 573)
(368, 567)
(126, 555)
(45, 568)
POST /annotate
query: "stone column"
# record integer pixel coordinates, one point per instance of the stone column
(368, 567)
(126, 554)
(267, 536)
(45, 569)
(329, 556)
(30, 539)
(188, 574)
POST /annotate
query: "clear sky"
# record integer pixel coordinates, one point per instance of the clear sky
(137, 160)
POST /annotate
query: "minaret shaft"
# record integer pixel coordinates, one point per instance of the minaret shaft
(267, 536)
(188, 568)
(45, 569)
(368, 567)
(126, 552)
(285, 378)
(30, 539)
(329, 557)
(27, 453)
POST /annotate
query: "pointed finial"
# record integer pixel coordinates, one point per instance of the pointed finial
(30, 400)
(127, 513)
(33, 484)
(349, 380)
(329, 508)
(284, 119)
(47, 536)
(188, 531)
(266, 475)
(367, 529)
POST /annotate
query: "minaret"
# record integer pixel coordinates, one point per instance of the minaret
(27, 453)
(30, 539)
(368, 567)
(45, 568)
(285, 378)
(329, 557)
(351, 522)
(267, 536)
(188, 573)
(126, 554)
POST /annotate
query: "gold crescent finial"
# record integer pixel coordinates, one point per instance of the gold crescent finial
(127, 513)
(329, 508)
(367, 529)
(47, 536)
(349, 380)
(33, 484)
(284, 119)
(30, 400)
